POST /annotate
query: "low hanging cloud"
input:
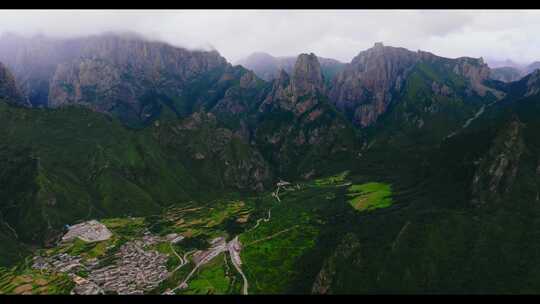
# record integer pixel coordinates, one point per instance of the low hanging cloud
(340, 34)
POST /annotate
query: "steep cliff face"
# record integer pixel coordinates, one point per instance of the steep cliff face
(527, 86)
(135, 79)
(239, 103)
(476, 72)
(8, 88)
(297, 125)
(300, 92)
(33, 61)
(493, 166)
(533, 84)
(510, 165)
(498, 169)
(375, 78)
(217, 155)
(268, 67)
(87, 82)
(368, 84)
(307, 78)
(124, 75)
(346, 254)
(69, 163)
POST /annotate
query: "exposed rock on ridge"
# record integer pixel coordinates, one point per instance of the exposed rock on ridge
(298, 93)
(498, 169)
(268, 67)
(366, 86)
(123, 75)
(370, 82)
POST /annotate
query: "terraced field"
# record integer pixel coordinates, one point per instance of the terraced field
(22, 280)
(370, 196)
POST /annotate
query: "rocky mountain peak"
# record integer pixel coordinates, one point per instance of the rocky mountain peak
(248, 80)
(120, 74)
(533, 83)
(476, 71)
(268, 67)
(498, 169)
(378, 46)
(297, 93)
(307, 77)
(283, 78)
(366, 86)
(379, 52)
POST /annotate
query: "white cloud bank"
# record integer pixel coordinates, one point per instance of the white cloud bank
(339, 34)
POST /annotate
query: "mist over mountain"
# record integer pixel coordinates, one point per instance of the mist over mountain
(178, 172)
(509, 71)
(268, 67)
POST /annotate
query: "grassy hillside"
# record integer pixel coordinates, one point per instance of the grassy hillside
(64, 165)
(466, 222)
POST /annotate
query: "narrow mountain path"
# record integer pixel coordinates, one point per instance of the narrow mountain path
(183, 261)
(215, 251)
(470, 120)
(176, 254)
(246, 283)
(233, 247)
(262, 220)
(273, 235)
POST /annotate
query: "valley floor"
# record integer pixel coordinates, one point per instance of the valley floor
(238, 245)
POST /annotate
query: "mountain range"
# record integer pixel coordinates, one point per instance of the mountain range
(509, 71)
(267, 67)
(118, 126)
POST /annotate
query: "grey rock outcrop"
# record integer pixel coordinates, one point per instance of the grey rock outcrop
(297, 93)
(533, 83)
(368, 84)
(329, 273)
(374, 78)
(307, 77)
(296, 116)
(230, 156)
(120, 74)
(268, 67)
(498, 169)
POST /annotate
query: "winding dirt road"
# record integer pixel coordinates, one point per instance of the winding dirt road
(233, 247)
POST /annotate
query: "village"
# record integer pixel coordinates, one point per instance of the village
(136, 271)
(135, 268)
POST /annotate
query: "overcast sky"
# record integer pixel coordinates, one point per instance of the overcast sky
(338, 34)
